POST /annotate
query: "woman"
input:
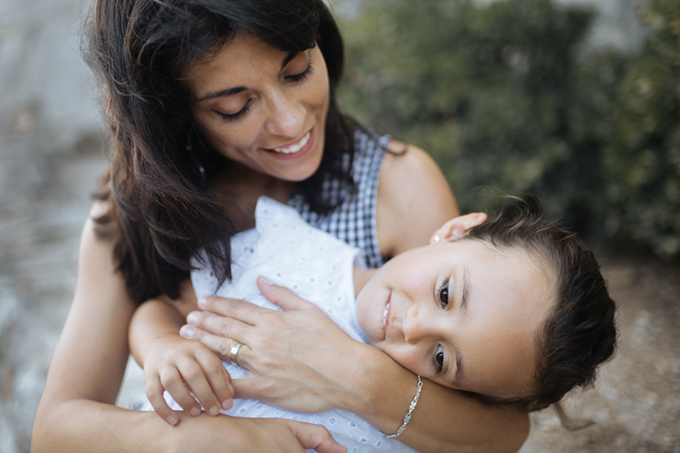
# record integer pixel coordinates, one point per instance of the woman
(211, 104)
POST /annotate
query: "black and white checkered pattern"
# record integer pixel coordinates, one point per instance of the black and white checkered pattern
(353, 220)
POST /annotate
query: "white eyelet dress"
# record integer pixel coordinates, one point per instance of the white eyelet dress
(319, 268)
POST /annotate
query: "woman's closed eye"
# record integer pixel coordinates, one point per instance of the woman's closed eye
(230, 117)
(301, 76)
(234, 116)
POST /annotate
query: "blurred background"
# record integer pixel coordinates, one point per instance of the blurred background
(576, 103)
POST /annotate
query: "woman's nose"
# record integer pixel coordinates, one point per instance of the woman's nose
(414, 326)
(287, 116)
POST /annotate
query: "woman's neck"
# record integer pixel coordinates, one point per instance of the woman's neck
(361, 277)
(239, 187)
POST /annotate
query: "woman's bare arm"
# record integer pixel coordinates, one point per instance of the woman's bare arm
(414, 199)
(89, 362)
(444, 419)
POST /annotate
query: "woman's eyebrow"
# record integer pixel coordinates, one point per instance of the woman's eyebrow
(221, 94)
(232, 91)
(288, 58)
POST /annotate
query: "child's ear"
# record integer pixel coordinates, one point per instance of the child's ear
(457, 228)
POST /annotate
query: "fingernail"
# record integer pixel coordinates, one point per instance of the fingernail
(226, 405)
(172, 420)
(202, 302)
(195, 411)
(186, 331)
(231, 388)
(214, 410)
(265, 280)
(192, 318)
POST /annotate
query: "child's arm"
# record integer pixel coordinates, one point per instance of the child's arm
(176, 364)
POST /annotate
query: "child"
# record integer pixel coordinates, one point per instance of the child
(515, 312)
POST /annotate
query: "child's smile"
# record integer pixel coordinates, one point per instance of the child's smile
(460, 314)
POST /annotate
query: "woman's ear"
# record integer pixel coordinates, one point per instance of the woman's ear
(457, 228)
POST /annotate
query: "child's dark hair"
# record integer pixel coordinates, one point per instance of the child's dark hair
(580, 332)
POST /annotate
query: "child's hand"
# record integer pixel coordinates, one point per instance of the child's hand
(181, 366)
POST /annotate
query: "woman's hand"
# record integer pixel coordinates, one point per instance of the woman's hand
(297, 359)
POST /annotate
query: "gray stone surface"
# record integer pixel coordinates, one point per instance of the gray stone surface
(50, 157)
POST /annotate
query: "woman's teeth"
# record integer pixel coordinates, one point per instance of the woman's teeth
(296, 147)
(387, 309)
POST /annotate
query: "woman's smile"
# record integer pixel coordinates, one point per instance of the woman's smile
(263, 108)
(295, 147)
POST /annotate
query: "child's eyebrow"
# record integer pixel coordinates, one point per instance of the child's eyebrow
(466, 291)
(459, 370)
(463, 311)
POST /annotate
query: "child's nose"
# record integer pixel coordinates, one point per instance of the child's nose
(413, 326)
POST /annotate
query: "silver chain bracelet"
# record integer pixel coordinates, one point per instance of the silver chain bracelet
(407, 417)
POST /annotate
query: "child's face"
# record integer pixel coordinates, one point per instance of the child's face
(460, 314)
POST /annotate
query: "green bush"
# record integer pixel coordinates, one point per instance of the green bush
(503, 95)
(637, 126)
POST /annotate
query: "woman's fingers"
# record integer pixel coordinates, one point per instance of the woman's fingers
(219, 345)
(219, 325)
(281, 296)
(232, 308)
(315, 437)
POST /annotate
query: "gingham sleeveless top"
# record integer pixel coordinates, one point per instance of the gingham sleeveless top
(353, 220)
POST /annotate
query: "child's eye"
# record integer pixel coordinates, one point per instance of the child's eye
(444, 294)
(439, 359)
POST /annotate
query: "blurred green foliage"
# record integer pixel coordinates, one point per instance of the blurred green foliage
(503, 95)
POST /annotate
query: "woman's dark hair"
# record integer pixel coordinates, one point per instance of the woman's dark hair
(160, 211)
(580, 332)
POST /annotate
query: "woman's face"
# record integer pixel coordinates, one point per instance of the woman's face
(461, 315)
(262, 107)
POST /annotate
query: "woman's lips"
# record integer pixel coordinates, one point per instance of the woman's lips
(296, 147)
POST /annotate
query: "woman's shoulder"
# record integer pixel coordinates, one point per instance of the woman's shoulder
(414, 198)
